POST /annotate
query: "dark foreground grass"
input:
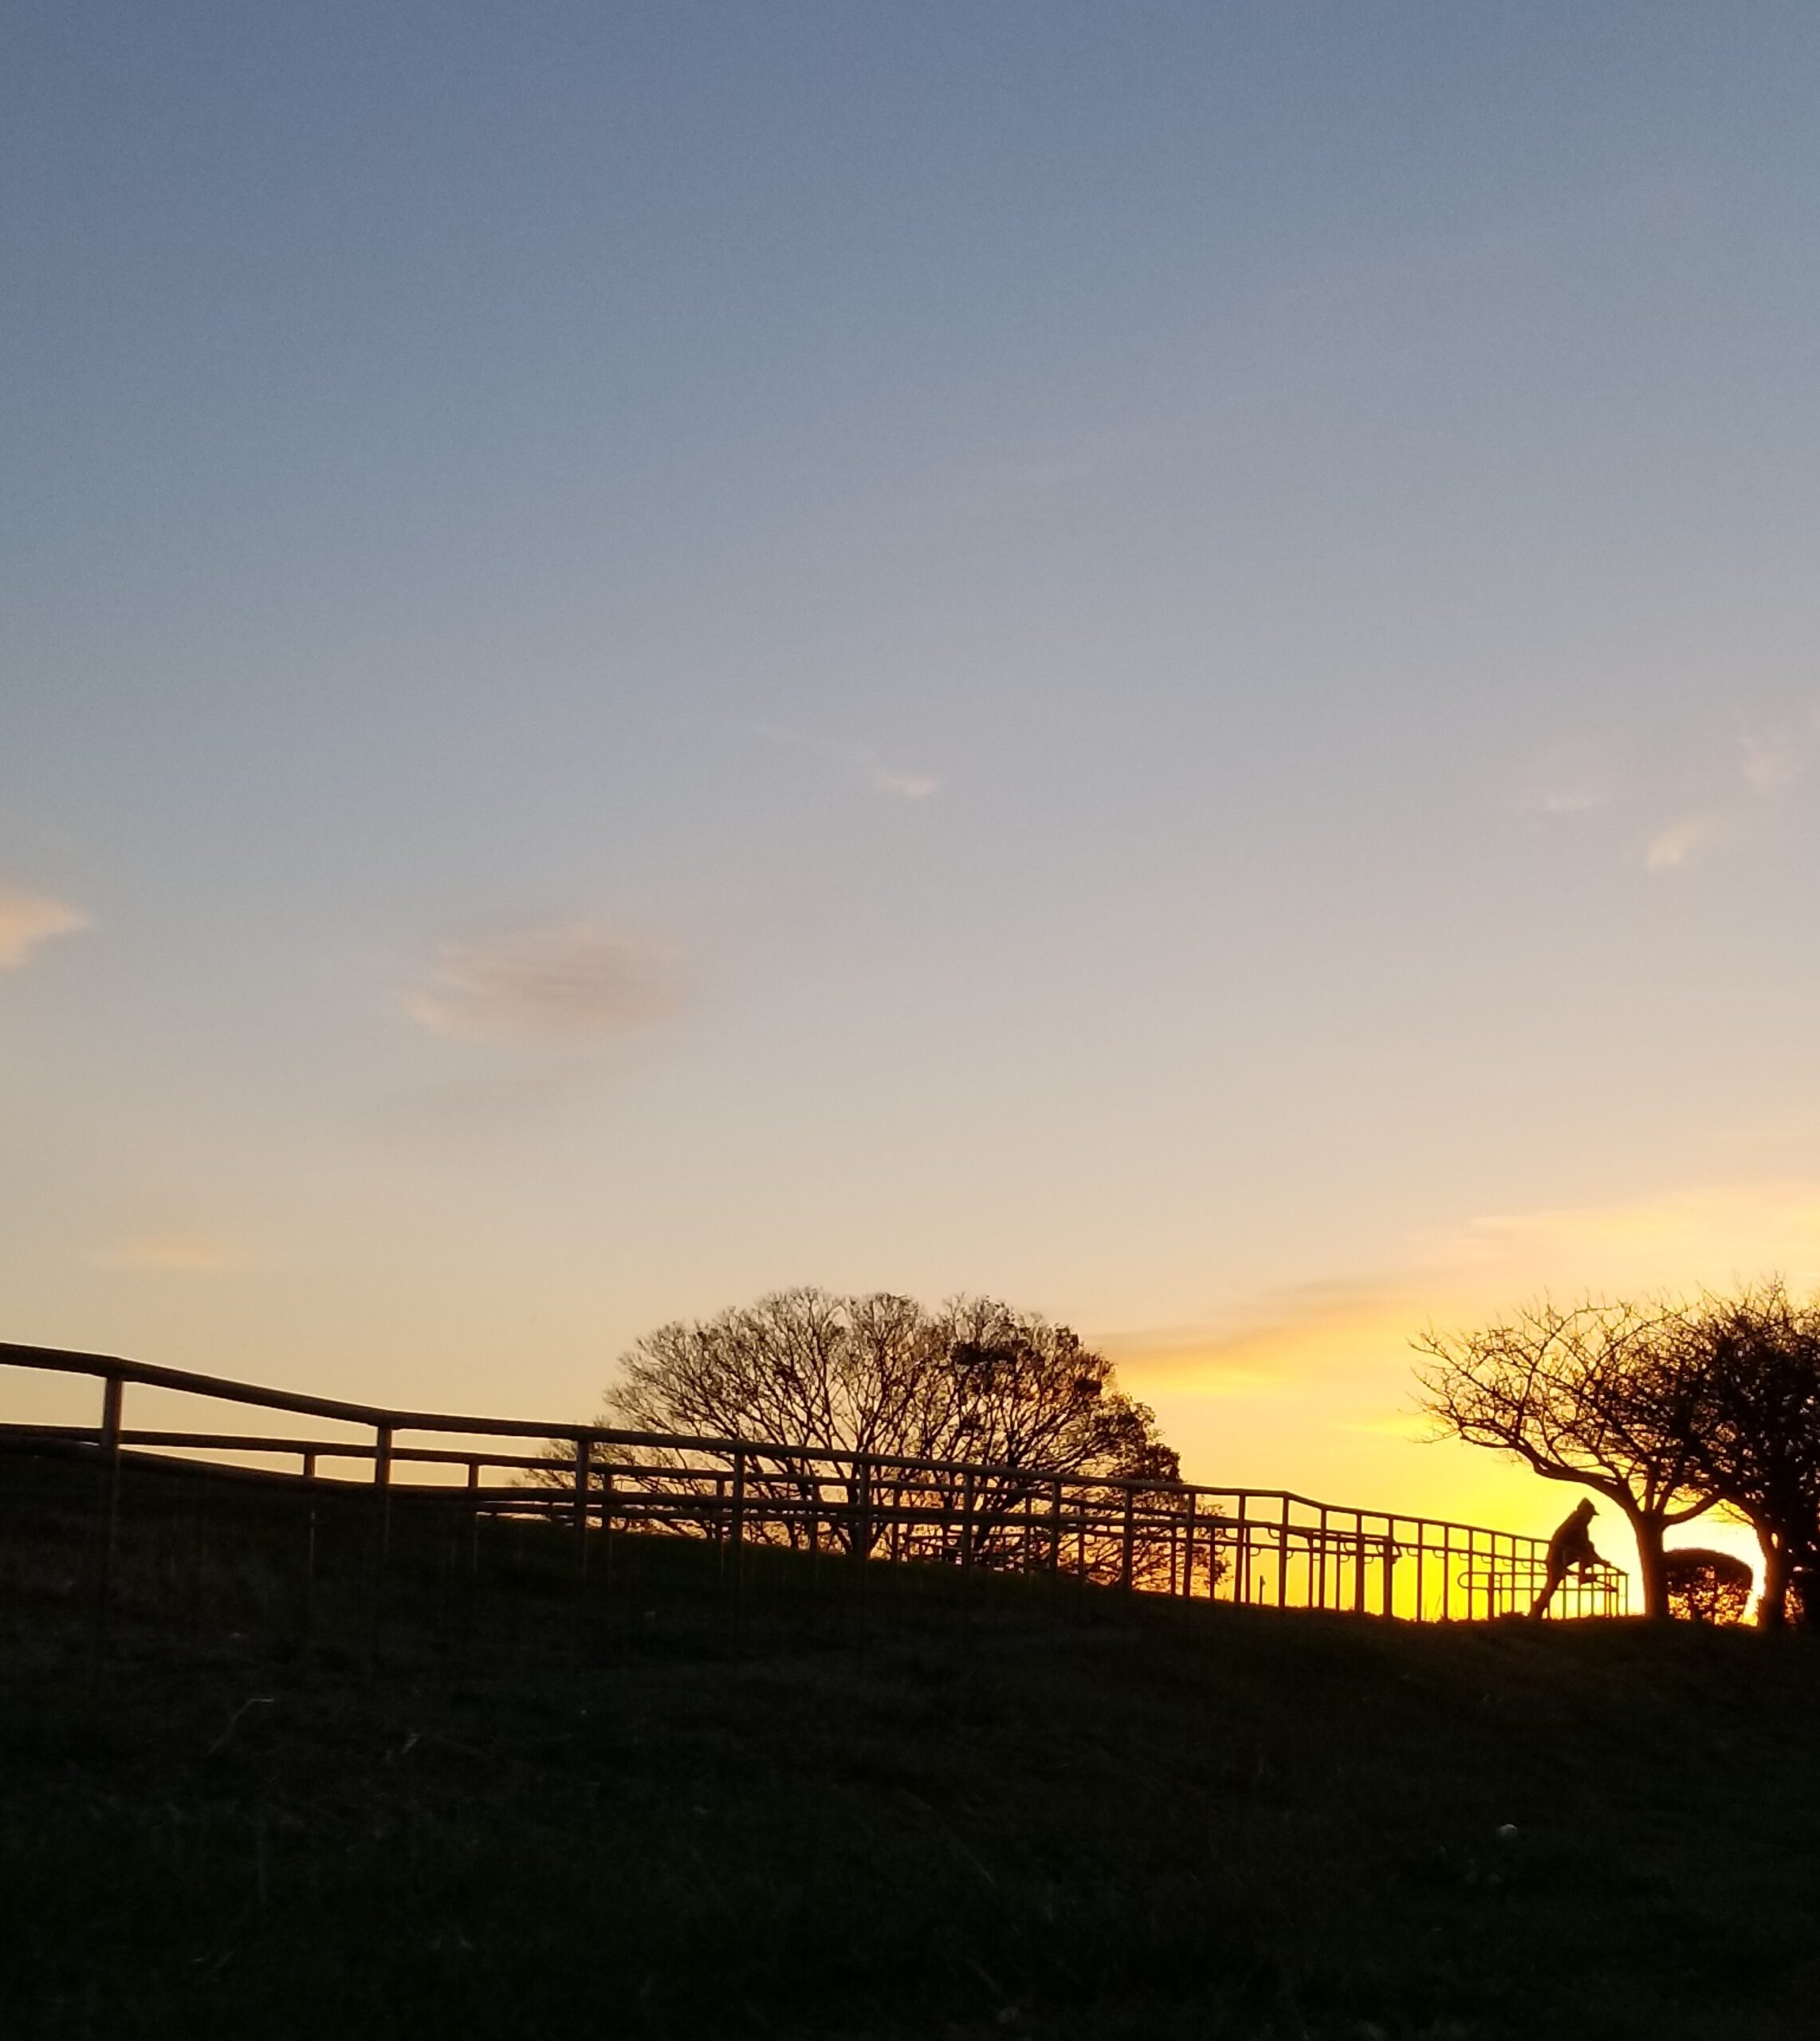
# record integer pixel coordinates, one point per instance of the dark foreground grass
(938, 1816)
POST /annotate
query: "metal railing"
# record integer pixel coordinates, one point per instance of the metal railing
(1265, 1548)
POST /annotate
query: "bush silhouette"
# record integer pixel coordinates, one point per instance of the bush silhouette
(1708, 1586)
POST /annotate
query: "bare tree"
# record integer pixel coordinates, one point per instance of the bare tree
(974, 1381)
(1753, 1427)
(1603, 1395)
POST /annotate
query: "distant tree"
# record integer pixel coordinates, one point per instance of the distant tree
(973, 1381)
(1752, 1430)
(1708, 1586)
(1601, 1395)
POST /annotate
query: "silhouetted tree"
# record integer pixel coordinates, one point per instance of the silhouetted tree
(1752, 1428)
(973, 1381)
(1601, 1395)
(1708, 1586)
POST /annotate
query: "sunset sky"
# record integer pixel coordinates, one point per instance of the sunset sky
(1163, 660)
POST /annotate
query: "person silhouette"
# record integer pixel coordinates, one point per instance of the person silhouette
(1571, 1546)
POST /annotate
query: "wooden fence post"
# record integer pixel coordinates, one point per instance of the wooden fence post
(1128, 1548)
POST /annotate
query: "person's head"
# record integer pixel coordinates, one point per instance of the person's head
(1586, 1511)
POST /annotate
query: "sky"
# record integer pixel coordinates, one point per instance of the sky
(1157, 660)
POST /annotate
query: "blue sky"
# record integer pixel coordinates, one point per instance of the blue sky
(1157, 659)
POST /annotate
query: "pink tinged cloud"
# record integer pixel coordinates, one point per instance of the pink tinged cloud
(28, 918)
(571, 985)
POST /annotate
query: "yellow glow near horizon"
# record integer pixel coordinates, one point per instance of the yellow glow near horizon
(1320, 1393)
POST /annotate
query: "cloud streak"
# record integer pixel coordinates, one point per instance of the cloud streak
(569, 985)
(185, 1254)
(1681, 843)
(892, 782)
(28, 918)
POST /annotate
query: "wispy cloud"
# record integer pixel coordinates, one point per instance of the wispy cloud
(573, 984)
(183, 1253)
(860, 759)
(1573, 800)
(906, 786)
(1770, 763)
(28, 918)
(1681, 843)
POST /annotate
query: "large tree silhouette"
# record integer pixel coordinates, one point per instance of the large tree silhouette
(972, 1382)
(1752, 1428)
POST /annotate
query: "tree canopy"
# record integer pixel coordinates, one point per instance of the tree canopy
(972, 1381)
(1753, 1432)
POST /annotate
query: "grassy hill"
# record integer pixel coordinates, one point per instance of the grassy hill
(1013, 1810)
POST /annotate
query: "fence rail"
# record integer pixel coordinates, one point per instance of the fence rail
(1262, 1548)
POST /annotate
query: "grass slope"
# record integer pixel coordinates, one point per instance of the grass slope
(1015, 1812)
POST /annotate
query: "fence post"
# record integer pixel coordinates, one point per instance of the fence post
(737, 1523)
(1242, 1556)
(381, 1490)
(1128, 1543)
(1188, 1563)
(967, 1522)
(862, 1508)
(1055, 1525)
(107, 1517)
(583, 1453)
(309, 1544)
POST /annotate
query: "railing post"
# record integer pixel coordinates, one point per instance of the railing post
(1358, 1564)
(862, 1508)
(107, 1517)
(583, 1454)
(1241, 1555)
(1188, 1566)
(381, 1490)
(1055, 1525)
(967, 1499)
(309, 1543)
(1127, 1552)
(382, 1482)
(737, 1523)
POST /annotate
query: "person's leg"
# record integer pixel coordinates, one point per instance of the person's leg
(1539, 1606)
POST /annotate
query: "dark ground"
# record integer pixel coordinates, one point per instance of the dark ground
(1019, 1810)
